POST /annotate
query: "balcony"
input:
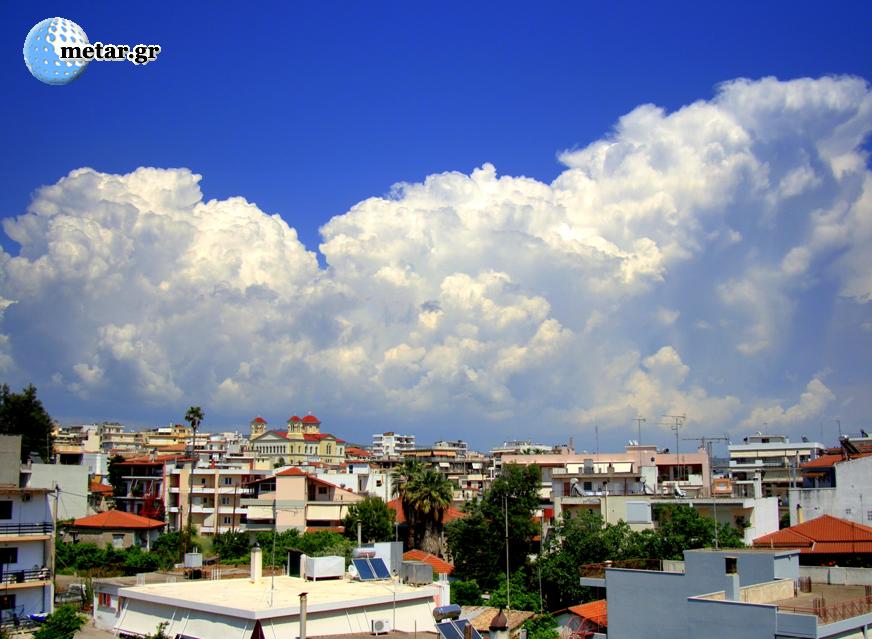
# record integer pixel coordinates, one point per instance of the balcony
(34, 531)
(13, 579)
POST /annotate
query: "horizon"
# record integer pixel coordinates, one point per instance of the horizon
(451, 221)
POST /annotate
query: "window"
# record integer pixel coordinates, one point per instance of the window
(322, 490)
(848, 511)
(104, 600)
(225, 501)
(5, 510)
(228, 481)
(7, 602)
(8, 556)
(869, 515)
(227, 520)
(118, 541)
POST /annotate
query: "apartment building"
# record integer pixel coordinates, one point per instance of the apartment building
(293, 498)
(144, 482)
(837, 483)
(460, 447)
(391, 444)
(26, 540)
(773, 461)
(724, 594)
(213, 494)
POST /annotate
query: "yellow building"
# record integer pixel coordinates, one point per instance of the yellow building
(302, 443)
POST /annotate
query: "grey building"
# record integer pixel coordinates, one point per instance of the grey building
(723, 594)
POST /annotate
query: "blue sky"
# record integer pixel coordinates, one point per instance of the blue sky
(308, 110)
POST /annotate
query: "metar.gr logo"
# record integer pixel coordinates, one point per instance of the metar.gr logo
(42, 51)
(57, 51)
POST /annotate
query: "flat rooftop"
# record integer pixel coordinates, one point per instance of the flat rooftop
(828, 602)
(242, 598)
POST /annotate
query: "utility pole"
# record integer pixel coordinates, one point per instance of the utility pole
(53, 541)
(506, 511)
(677, 425)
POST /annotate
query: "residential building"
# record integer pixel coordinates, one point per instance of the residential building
(114, 439)
(360, 478)
(144, 483)
(259, 607)
(519, 447)
(391, 444)
(107, 603)
(771, 460)
(824, 541)
(838, 483)
(116, 528)
(214, 494)
(723, 594)
(460, 447)
(293, 498)
(301, 443)
(26, 539)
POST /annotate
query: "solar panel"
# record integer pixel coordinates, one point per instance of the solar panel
(461, 628)
(364, 570)
(379, 567)
(448, 630)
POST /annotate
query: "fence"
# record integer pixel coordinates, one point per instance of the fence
(43, 528)
(21, 576)
(829, 613)
(599, 570)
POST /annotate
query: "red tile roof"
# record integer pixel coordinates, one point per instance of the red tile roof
(450, 514)
(158, 460)
(596, 611)
(311, 419)
(118, 520)
(439, 565)
(96, 487)
(831, 459)
(294, 418)
(259, 420)
(358, 452)
(824, 535)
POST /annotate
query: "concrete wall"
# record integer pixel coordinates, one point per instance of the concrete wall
(850, 499)
(73, 482)
(728, 620)
(35, 510)
(837, 576)
(10, 459)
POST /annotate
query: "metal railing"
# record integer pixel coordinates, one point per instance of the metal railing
(22, 576)
(829, 613)
(43, 528)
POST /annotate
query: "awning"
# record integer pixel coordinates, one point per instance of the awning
(201, 625)
(141, 618)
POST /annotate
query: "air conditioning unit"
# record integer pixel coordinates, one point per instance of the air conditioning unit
(380, 626)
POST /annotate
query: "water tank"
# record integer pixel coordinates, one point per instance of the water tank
(451, 611)
(416, 572)
(193, 560)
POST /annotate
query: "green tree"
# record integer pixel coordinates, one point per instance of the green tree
(170, 547)
(232, 546)
(520, 594)
(116, 475)
(63, 623)
(160, 631)
(680, 527)
(23, 414)
(429, 495)
(466, 593)
(477, 542)
(541, 627)
(375, 518)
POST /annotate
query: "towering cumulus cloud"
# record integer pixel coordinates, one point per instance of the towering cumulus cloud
(712, 261)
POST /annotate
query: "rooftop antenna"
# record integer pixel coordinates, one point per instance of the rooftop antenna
(596, 435)
(639, 421)
(677, 425)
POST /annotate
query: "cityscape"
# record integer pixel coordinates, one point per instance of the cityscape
(436, 320)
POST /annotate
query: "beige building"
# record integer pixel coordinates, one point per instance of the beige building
(300, 443)
(295, 499)
(213, 494)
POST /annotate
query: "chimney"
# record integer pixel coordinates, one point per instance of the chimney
(256, 563)
(732, 589)
(303, 601)
(499, 626)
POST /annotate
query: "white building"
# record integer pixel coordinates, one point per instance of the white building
(72, 481)
(391, 444)
(834, 485)
(26, 540)
(271, 607)
(771, 460)
(460, 447)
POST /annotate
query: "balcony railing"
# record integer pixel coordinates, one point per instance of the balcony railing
(43, 528)
(832, 612)
(22, 576)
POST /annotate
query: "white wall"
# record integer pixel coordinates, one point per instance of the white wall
(73, 481)
(850, 499)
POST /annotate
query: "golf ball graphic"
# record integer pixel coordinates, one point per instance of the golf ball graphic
(42, 51)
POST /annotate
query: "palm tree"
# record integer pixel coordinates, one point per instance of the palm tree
(402, 477)
(429, 496)
(194, 416)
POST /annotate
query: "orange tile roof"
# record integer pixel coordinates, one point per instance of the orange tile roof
(831, 459)
(439, 565)
(824, 535)
(96, 487)
(596, 611)
(118, 520)
(449, 514)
